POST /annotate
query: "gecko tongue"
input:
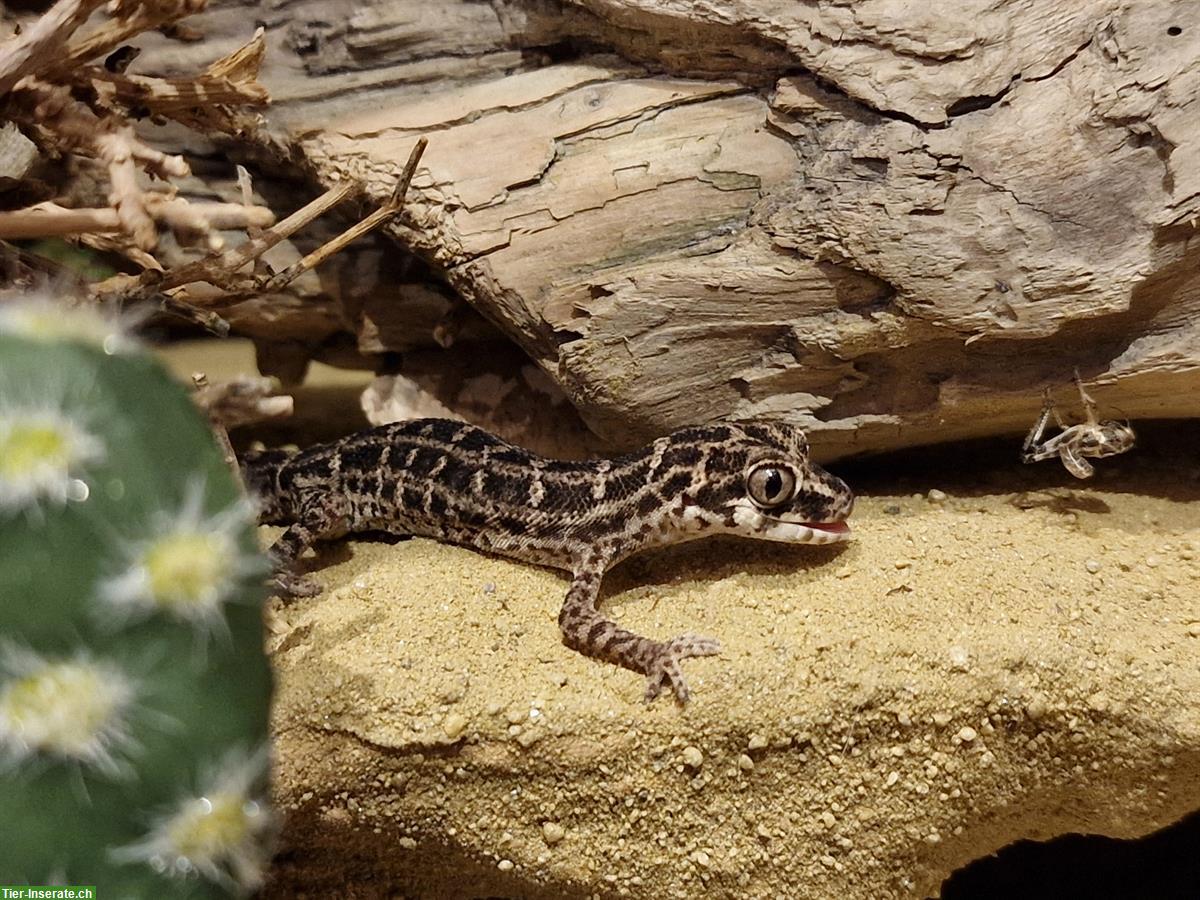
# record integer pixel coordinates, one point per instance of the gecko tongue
(831, 527)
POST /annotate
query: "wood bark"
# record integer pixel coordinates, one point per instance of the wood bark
(893, 224)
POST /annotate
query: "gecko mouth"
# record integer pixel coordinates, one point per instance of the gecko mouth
(804, 532)
(829, 527)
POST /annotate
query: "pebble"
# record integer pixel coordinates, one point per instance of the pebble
(936, 496)
(1092, 566)
(1194, 629)
(692, 757)
(746, 764)
(1153, 562)
(891, 509)
(892, 778)
(552, 832)
(454, 725)
(505, 865)
(489, 588)
(941, 719)
(966, 734)
(757, 742)
(1037, 707)
(959, 658)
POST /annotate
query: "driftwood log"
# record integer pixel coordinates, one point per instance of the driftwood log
(894, 224)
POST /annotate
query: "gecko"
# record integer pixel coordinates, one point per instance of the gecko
(460, 484)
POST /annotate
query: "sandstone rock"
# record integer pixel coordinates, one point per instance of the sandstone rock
(867, 730)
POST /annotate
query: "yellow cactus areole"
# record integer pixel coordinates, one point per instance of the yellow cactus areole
(42, 454)
(51, 321)
(214, 828)
(74, 709)
(187, 568)
(222, 834)
(25, 446)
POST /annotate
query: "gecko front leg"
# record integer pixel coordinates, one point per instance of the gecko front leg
(586, 630)
(317, 521)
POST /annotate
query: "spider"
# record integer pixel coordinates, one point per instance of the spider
(1075, 442)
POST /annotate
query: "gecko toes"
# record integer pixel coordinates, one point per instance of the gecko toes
(664, 670)
(288, 585)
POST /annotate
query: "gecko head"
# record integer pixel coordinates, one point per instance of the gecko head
(772, 491)
(756, 481)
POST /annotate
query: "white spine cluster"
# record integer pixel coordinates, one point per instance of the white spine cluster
(186, 565)
(74, 709)
(221, 833)
(48, 319)
(44, 451)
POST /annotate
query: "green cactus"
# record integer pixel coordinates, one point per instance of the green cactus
(133, 687)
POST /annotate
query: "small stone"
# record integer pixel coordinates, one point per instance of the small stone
(745, 763)
(407, 843)
(489, 588)
(1153, 562)
(1193, 630)
(828, 819)
(505, 865)
(692, 757)
(1098, 701)
(828, 861)
(528, 737)
(454, 725)
(552, 832)
(966, 734)
(1092, 566)
(936, 496)
(892, 778)
(1037, 707)
(892, 509)
(942, 719)
(701, 858)
(757, 742)
(959, 658)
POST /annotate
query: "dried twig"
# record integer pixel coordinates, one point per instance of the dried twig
(221, 268)
(367, 225)
(41, 45)
(242, 401)
(50, 219)
(68, 106)
(130, 18)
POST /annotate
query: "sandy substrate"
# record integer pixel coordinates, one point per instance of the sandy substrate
(1018, 659)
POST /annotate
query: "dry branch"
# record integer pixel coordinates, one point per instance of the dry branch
(241, 401)
(50, 219)
(70, 107)
(393, 206)
(39, 47)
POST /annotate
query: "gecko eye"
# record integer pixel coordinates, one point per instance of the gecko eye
(770, 485)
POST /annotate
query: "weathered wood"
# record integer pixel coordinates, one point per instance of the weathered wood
(895, 226)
